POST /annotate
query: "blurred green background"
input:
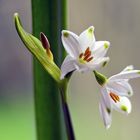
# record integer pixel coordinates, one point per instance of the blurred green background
(116, 21)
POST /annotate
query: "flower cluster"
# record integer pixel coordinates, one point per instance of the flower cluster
(84, 54)
(87, 54)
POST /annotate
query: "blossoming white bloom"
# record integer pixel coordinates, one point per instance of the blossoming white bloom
(84, 53)
(115, 92)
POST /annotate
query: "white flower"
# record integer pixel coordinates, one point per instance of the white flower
(115, 92)
(84, 53)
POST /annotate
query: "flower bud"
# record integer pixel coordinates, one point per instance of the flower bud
(46, 45)
(101, 79)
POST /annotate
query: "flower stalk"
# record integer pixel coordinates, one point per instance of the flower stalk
(68, 122)
(66, 111)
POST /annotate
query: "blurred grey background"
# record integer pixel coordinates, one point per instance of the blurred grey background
(116, 21)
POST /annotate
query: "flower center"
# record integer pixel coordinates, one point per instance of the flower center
(86, 56)
(115, 97)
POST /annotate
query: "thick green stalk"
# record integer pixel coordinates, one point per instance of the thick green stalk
(49, 16)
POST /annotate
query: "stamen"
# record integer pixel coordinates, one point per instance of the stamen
(87, 55)
(86, 51)
(88, 60)
(114, 97)
(81, 55)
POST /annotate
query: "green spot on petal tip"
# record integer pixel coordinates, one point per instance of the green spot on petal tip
(66, 34)
(129, 69)
(106, 45)
(104, 63)
(108, 110)
(90, 30)
(138, 72)
(124, 108)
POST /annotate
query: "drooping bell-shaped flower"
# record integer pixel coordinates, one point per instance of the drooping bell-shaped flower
(115, 92)
(84, 52)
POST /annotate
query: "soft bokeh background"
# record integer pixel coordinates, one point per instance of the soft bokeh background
(116, 21)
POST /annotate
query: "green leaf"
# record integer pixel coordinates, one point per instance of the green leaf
(35, 47)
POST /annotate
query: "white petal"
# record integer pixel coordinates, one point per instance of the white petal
(127, 86)
(128, 68)
(87, 38)
(105, 97)
(122, 88)
(85, 67)
(82, 68)
(93, 65)
(123, 106)
(68, 65)
(71, 43)
(100, 62)
(105, 114)
(126, 75)
(101, 48)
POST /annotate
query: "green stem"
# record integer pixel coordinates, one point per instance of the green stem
(49, 16)
(68, 122)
